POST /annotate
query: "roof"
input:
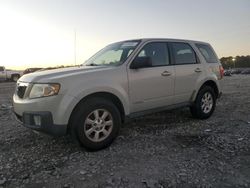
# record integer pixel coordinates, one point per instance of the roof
(167, 39)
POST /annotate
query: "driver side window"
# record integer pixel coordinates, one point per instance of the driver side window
(158, 53)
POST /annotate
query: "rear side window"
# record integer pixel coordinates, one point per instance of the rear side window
(157, 52)
(207, 53)
(183, 53)
(1, 69)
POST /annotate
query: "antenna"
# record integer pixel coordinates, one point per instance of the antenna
(75, 46)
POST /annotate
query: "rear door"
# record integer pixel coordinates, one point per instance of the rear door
(188, 70)
(152, 87)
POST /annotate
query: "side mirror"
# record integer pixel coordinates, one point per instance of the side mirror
(141, 62)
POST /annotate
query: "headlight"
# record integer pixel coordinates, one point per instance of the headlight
(44, 90)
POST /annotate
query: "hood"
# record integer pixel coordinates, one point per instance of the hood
(50, 75)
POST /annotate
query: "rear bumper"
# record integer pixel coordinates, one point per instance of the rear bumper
(42, 122)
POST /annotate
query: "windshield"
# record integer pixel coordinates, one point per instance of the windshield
(113, 54)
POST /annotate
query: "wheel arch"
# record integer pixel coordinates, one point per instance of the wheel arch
(213, 85)
(210, 83)
(105, 95)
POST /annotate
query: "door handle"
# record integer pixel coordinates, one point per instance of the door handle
(197, 70)
(166, 73)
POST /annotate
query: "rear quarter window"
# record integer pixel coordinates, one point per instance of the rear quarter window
(207, 52)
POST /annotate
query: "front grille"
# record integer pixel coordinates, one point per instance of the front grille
(21, 91)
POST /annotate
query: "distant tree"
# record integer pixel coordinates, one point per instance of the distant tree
(243, 61)
(227, 62)
(240, 62)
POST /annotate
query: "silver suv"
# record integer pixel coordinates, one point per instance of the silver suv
(124, 80)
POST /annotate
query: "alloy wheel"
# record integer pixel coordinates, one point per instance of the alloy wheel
(98, 125)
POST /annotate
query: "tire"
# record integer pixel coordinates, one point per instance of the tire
(88, 123)
(15, 77)
(204, 104)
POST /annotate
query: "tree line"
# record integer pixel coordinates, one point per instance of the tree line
(237, 62)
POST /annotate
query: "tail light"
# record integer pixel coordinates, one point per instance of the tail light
(221, 71)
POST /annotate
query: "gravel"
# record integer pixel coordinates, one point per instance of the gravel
(167, 149)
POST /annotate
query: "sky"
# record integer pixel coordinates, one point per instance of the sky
(42, 33)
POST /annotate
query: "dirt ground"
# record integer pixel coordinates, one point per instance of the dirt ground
(168, 149)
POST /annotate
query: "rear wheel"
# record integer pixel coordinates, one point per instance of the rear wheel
(96, 123)
(204, 104)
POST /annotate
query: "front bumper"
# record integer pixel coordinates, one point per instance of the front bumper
(41, 121)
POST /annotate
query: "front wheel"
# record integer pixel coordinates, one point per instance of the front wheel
(96, 123)
(204, 104)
